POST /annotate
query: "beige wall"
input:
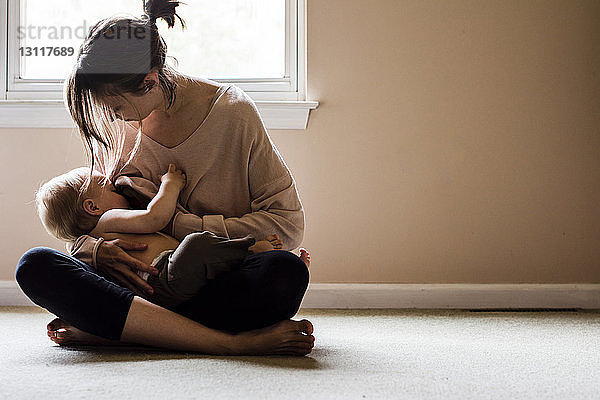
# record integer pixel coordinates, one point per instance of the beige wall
(456, 141)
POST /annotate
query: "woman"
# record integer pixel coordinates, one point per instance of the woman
(237, 184)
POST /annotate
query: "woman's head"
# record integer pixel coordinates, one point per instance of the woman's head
(121, 73)
(70, 204)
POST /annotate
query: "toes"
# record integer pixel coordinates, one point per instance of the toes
(50, 326)
(294, 348)
(304, 252)
(274, 241)
(58, 334)
(305, 256)
(293, 351)
(63, 334)
(305, 339)
(306, 326)
(60, 337)
(56, 323)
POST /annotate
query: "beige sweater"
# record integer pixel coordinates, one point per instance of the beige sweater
(237, 182)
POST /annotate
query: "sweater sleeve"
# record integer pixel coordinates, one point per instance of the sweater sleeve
(277, 210)
(84, 249)
(275, 203)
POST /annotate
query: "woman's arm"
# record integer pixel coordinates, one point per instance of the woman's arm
(275, 203)
(112, 261)
(277, 210)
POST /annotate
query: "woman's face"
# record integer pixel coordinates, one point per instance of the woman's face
(125, 107)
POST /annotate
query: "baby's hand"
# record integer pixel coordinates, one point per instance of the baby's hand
(174, 177)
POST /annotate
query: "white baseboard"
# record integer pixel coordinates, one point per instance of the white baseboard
(11, 295)
(420, 296)
(452, 296)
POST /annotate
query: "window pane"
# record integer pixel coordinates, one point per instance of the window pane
(230, 39)
(60, 24)
(223, 38)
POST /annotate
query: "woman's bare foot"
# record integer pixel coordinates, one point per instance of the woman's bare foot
(65, 334)
(283, 338)
(286, 337)
(305, 256)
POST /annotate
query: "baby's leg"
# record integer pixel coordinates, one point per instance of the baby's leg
(201, 256)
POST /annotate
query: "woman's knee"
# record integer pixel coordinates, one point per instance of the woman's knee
(35, 271)
(290, 271)
(40, 267)
(285, 283)
(71, 290)
(34, 263)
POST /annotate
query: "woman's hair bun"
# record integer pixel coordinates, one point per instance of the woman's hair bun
(164, 9)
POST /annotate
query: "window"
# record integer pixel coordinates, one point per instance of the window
(256, 45)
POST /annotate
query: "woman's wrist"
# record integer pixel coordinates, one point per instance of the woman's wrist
(95, 251)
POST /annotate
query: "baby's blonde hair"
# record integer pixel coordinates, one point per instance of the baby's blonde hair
(60, 205)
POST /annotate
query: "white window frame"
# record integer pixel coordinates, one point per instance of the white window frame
(3, 48)
(38, 102)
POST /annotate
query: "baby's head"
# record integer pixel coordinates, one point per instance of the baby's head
(69, 205)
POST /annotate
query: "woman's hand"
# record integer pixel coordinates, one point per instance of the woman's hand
(112, 260)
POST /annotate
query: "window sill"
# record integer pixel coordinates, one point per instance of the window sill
(53, 114)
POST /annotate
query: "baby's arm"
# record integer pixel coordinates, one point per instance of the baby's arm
(155, 217)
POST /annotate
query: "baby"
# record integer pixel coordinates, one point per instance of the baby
(70, 206)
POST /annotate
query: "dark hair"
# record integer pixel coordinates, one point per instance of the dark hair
(115, 57)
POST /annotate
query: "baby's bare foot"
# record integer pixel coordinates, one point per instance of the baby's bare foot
(275, 241)
(271, 242)
(65, 334)
(305, 256)
(260, 246)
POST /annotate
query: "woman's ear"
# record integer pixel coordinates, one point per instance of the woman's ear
(90, 207)
(151, 79)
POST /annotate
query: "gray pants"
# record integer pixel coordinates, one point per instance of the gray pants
(201, 256)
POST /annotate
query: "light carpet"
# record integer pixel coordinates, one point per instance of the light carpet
(358, 354)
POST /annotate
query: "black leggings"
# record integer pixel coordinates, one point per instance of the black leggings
(268, 288)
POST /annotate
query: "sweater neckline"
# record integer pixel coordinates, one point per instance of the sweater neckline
(222, 89)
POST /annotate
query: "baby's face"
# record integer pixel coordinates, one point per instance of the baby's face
(104, 193)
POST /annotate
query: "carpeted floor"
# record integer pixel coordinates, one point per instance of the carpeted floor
(358, 354)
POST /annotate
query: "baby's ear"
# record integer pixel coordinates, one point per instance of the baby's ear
(90, 207)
